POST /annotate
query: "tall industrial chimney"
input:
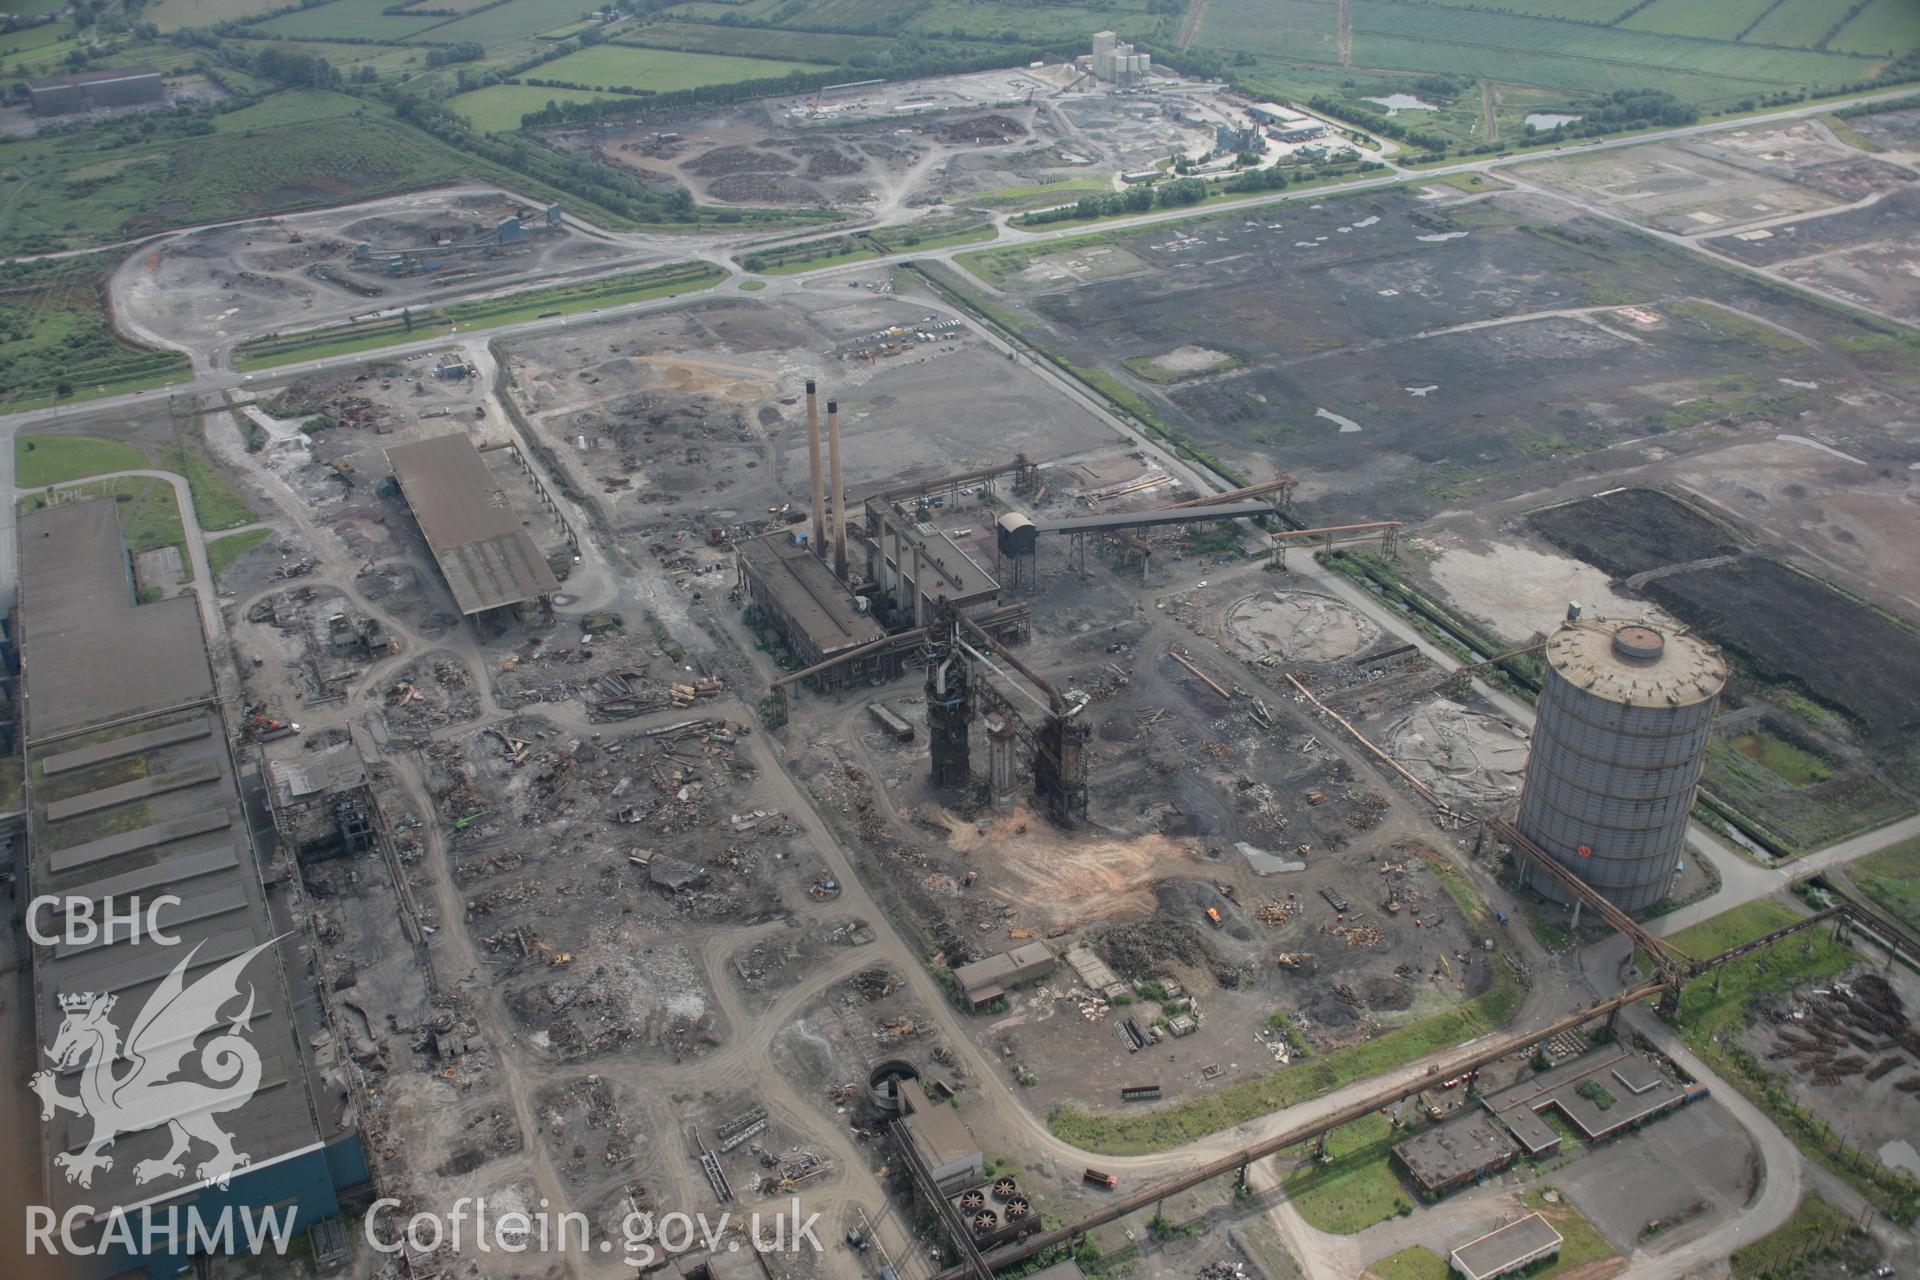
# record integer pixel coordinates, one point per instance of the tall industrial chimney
(839, 491)
(813, 472)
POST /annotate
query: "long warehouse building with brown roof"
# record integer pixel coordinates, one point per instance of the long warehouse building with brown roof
(477, 538)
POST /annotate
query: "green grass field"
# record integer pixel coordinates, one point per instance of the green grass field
(1798, 23)
(44, 460)
(222, 552)
(1883, 27)
(172, 15)
(1042, 195)
(1582, 1244)
(756, 42)
(499, 107)
(661, 70)
(502, 24)
(36, 49)
(217, 503)
(1681, 46)
(1721, 20)
(352, 19)
(1891, 877)
(1415, 1262)
(1783, 759)
(1356, 1186)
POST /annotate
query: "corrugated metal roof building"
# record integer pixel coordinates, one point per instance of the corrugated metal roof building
(132, 795)
(476, 537)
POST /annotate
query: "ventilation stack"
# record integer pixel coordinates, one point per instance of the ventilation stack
(839, 492)
(818, 480)
(1618, 745)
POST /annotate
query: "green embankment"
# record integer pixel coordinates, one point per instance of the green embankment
(1415, 1262)
(1815, 1227)
(222, 552)
(429, 323)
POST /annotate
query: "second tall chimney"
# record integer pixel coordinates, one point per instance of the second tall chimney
(813, 471)
(839, 491)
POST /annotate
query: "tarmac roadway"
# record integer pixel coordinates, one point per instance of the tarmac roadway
(1593, 971)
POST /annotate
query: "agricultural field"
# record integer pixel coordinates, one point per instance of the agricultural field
(36, 49)
(755, 42)
(1676, 46)
(1721, 21)
(172, 15)
(1307, 30)
(1797, 23)
(1579, 10)
(517, 20)
(661, 71)
(351, 19)
(500, 107)
(1884, 27)
(609, 66)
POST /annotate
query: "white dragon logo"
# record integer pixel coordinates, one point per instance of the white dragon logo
(146, 1096)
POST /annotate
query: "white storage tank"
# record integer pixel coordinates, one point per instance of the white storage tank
(1621, 735)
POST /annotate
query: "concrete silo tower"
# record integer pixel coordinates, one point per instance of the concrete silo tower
(1617, 749)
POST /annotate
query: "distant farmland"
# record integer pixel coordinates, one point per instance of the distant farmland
(1689, 48)
(610, 66)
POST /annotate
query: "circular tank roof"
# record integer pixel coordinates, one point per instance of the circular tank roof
(1636, 664)
(1639, 642)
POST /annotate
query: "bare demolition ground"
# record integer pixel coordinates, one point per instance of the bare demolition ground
(211, 288)
(973, 140)
(1406, 355)
(694, 417)
(1336, 909)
